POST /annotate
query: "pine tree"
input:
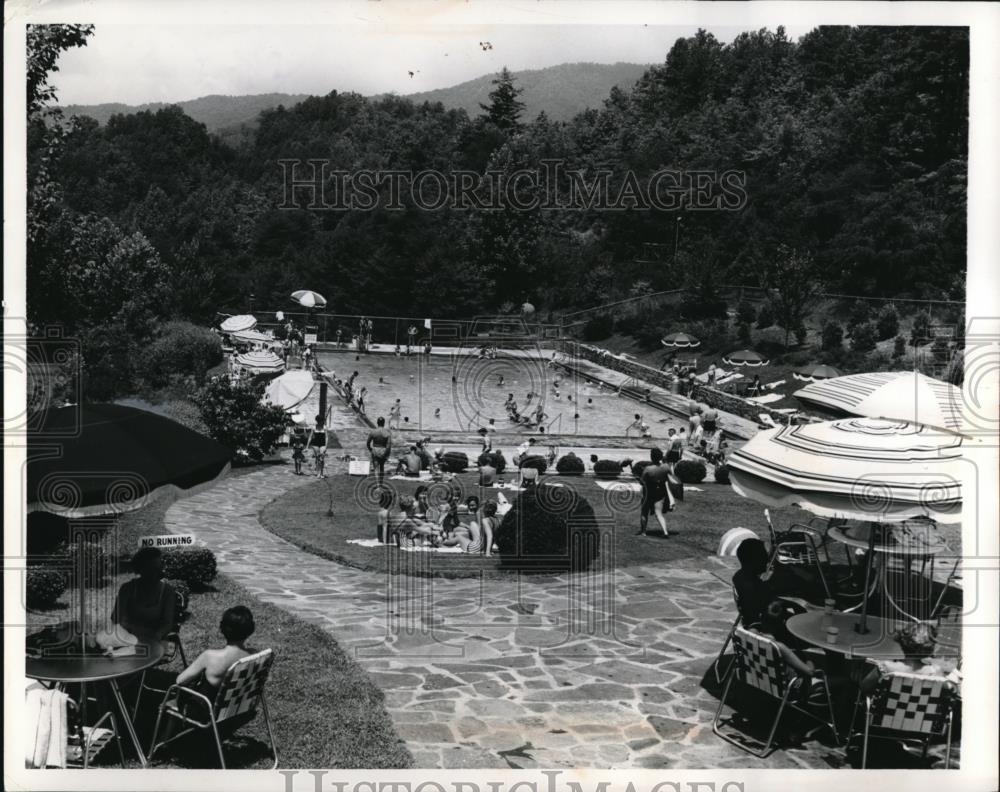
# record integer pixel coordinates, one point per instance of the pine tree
(504, 109)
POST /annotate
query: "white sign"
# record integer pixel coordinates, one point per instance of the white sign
(311, 338)
(167, 540)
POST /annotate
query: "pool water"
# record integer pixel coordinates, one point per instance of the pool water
(462, 392)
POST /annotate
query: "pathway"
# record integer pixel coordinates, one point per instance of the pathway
(598, 671)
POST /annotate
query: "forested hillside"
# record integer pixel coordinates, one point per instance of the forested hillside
(852, 140)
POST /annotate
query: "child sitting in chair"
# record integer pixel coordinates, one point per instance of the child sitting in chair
(206, 673)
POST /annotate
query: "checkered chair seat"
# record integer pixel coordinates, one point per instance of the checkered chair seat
(760, 662)
(911, 703)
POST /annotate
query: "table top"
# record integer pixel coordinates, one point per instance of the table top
(93, 668)
(878, 643)
(899, 540)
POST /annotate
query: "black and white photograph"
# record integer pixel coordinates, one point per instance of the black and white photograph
(572, 395)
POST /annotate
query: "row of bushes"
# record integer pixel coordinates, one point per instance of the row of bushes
(185, 568)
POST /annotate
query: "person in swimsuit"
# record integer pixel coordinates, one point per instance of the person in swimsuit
(145, 606)
(394, 414)
(379, 446)
(206, 673)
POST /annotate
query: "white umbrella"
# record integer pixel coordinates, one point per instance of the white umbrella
(855, 468)
(815, 372)
(236, 323)
(309, 299)
(745, 357)
(682, 340)
(902, 395)
(251, 337)
(290, 389)
(260, 361)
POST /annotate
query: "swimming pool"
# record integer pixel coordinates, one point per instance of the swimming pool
(462, 392)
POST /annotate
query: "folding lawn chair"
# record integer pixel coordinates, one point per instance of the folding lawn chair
(797, 546)
(84, 743)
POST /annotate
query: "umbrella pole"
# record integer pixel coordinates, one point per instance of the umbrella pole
(862, 626)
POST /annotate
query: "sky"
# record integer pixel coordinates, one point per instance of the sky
(134, 64)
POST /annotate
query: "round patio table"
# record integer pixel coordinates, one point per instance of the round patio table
(81, 670)
(877, 642)
(906, 541)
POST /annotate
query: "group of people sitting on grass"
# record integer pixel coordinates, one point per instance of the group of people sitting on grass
(415, 522)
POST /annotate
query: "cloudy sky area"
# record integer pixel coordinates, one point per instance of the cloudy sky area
(155, 63)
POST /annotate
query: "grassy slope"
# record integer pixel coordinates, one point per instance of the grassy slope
(325, 710)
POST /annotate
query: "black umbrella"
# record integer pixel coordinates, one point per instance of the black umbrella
(106, 459)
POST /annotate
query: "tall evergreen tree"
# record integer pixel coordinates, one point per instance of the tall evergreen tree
(505, 109)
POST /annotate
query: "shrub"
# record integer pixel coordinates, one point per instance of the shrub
(887, 322)
(765, 317)
(598, 328)
(863, 337)
(539, 463)
(746, 313)
(833, 336)
(898, 347)
(743, 333)
(43, 587)
(570, 464)
(858, 314)
(454, 461)
(546, 531)
(234, 416)
(96, 561)
(499, 461)
(801, 335)
(640, 466)
(180, 349)
(194, 565)
(876, 360)
(722, 474)
(607, 468)
(184, 594)
(921, 331)
(690, 471)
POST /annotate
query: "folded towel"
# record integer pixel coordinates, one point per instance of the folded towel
(45, 722)
(621, 486)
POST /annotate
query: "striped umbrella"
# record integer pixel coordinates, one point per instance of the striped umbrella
(234, 324)
(251, 337)
(815, 372)
(900, 395)
(309, 299)
(855, 468)
(260, 362)
(680, 341)
(745, 357)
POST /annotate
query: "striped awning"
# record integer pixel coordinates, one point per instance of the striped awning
(234, 324)
(855, 468)
(251, 337)
(745, 357)
(897, 395)
(260, 361)
(680, 340)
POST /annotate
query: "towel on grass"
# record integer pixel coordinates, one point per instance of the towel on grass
(414, 549)
(425, 475)
(46, 730)
(688, 488)
(629, 486)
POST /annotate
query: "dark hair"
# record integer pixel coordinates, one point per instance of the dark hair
(419, 491)
(380, 421)
(656, 455)
(385, 499)
(482, 430)
(637, 416)
(489, 508)
(144, 558)
(472, 503)
(752, 555)
(237, 624)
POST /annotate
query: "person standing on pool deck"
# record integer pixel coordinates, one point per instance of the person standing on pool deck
(394, 414)
(379, 446)
(361, 400)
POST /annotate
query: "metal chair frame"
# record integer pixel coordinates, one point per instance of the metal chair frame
(92, 739)
(174, 639)
(784, 692)
(214, 711)
(810, 545)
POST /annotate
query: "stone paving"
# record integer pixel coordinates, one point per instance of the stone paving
(589, 671)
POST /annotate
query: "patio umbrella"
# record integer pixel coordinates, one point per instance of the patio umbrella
(105, 459)
(680, 340)
(290, 389)
(745, 357)
(815, 372)
(260, 362)
(234, 324)
(527, 308)
(856, 468)
(309, 299)
(902, 395)
(251, 337)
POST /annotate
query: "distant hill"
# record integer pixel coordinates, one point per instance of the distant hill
(561, 91)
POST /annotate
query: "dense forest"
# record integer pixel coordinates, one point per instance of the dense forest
(853, 142)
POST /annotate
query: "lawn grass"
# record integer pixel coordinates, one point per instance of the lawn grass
(696, 526)
(325, 711)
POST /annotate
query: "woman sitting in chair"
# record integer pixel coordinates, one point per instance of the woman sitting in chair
(145, 607)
